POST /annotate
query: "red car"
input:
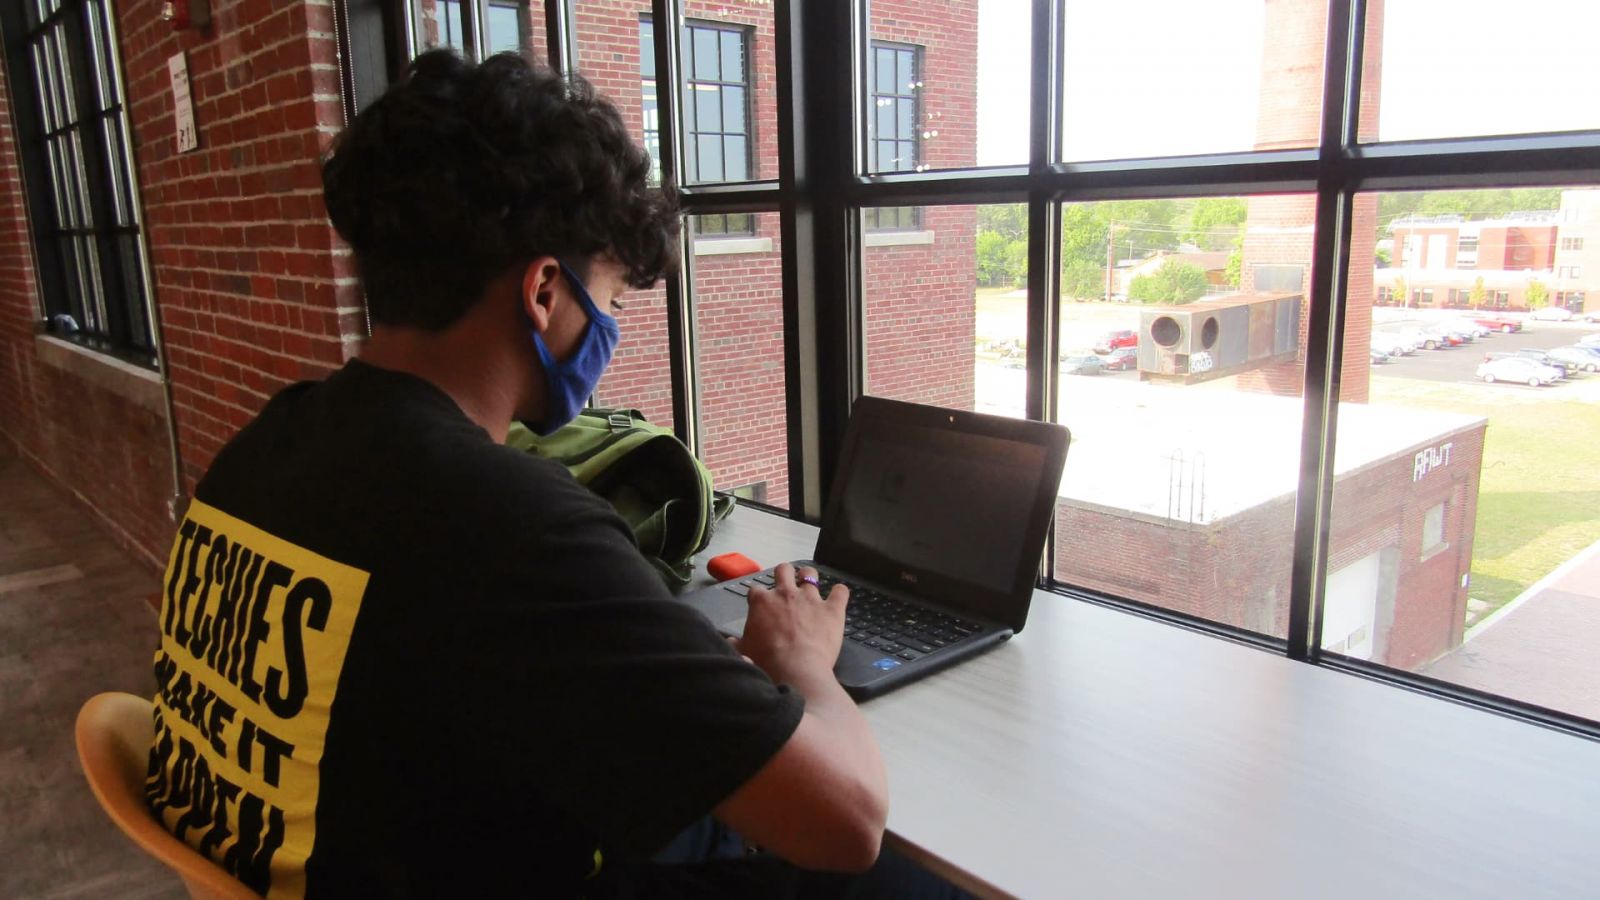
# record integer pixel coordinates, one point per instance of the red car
(1111, 340)
(1500, 324)
(1122, 358)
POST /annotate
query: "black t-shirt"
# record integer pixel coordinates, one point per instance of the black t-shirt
(400, 659)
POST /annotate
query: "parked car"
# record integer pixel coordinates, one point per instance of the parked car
(1468, 326)
(1463, 336)
(1576, 357)
(1111, 340)
(1432, 338)
(1377, 357)
(1500, 324)
(1520, 369)
(1539, 356)
(1392, 343)
(1121, 358)
(1551, 314)
(1591, 317)
(1592, 339)
(1081, 364)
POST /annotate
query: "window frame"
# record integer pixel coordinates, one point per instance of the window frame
(80, 179)
(823, 183)
(894, 218)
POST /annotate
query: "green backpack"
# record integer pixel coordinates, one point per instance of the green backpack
(658, 487)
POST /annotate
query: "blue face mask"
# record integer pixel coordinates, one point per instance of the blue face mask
(570, 383)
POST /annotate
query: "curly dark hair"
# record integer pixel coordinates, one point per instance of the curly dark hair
(461, 171)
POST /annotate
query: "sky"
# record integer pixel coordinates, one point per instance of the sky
(1162, 77)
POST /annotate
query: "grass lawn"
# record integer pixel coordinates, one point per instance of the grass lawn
(1539, 494)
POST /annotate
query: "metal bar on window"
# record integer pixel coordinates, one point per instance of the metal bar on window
(1324, 335)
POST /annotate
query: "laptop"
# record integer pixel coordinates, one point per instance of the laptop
(936, 522)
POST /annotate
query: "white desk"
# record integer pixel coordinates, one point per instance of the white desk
(1100, 754)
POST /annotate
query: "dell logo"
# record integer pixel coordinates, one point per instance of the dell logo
(908, 578)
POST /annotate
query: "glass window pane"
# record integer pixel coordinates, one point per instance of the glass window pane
(732, 56)
(708, 107)
(640, 374)
(439, 25)
(709, 148)
(647, 50)
(41, 81)
(738, 310)
(734, 155)
(733, 100)
(112, 150)
(966, 67)
(505, 29)
(105, 92)
(905, 126)
(128, 274)
(925, 308)
(719, 49)
(706, 54)
(1242, 92)
(80, 172)
(1465, 487)
(882, 74)
(1417, 88)
(1180, 319)
(885, 118)
(58, 182)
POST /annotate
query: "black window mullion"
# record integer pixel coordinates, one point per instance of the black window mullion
(1324, 327)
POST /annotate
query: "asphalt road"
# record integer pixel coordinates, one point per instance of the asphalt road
(1461, 363)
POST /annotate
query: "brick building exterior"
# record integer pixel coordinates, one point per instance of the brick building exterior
(1450, 261)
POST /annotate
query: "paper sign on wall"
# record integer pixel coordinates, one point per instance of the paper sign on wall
(183, 109)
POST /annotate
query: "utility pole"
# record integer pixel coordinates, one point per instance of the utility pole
(1111, 256)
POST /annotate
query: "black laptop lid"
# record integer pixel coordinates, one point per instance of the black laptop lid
(953, 505)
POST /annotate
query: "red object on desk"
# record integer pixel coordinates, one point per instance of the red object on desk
(731, 565)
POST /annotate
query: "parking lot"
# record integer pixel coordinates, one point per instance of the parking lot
(1461, 363)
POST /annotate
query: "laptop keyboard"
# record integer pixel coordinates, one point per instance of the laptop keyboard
(881, 622)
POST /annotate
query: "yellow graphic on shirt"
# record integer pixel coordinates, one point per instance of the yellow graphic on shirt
(253, 636)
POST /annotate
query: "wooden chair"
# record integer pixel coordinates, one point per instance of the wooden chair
(114, 732)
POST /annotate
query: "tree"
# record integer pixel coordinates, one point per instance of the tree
(1537, 295)
(1401, 295)
(1478, 293)
(1381, 257)
(1128, 229)
(1235, 270)
(1174, 282)
(1485, 204)
(1002, 245)
(1082, 280)
(1215, 222)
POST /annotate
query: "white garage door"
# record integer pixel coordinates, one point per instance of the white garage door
(1351, 607)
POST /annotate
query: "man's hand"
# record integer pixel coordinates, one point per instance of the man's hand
(791, 630)
(822, 801)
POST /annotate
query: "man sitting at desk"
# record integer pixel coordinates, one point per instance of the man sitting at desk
(399, 659)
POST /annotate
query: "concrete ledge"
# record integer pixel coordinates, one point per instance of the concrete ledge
(128, 381)
(720, 246)
(896, 238)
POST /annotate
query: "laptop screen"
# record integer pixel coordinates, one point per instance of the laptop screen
(952, 506)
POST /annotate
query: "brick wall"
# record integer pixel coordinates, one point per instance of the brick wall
(251, 286)
(1237, 571)
(108, 453)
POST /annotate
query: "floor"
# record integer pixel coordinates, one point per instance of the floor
(73, 623)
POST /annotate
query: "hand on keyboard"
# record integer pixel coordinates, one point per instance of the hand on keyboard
(791, 628)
